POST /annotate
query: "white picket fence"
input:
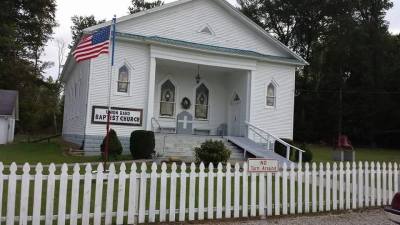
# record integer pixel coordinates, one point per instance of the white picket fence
(168, 194)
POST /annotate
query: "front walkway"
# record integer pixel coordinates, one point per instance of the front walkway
(365, 217)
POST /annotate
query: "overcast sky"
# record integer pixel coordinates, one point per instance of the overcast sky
(105, 9)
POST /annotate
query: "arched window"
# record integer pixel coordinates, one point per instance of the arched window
(167, 100)
(201, 106)
(271, 95)
(123, 79)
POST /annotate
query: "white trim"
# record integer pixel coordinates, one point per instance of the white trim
(160, 83)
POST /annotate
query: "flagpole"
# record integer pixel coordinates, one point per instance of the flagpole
(106, 147)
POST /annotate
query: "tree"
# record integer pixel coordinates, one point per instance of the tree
(350, 51)
(141, 5)
(79, 24)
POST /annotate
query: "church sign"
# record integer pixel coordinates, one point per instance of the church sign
(118, 116)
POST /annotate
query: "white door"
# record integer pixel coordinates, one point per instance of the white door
(235, 119)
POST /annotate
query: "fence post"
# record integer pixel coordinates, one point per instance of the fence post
(361, 185)
(219, 192)
(228, 191)
(143, 194)
(314, 187)
(23, 211)
(172, 201)
(384, 184)
(245, 191)
(163, 191)
(321, 187)
(133, 194)
(153, 193)
(277, 193)
(299, 188)
(50, 195)
(200, 215)
(269, 194)
(1, 189)
(236, 204)
(182, 196)
(192, 189)
(390, 183)
(110, 194)
(121, 194)
(262, 196)
(328, 187)
(62, 194)
(307, 187)
(87, 188)
(354, 193)
(210, 202)
(74, 195)
(98, 194)
(334, 186)
(348, 182)
(292, 189)
(367, 184)
(12, 180)
(341, 186)
(253, 186)
(396, 178)
(373, 186)
(378, 185)
(284, 189)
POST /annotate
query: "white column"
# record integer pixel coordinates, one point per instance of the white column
(248, 97)
(150, 94)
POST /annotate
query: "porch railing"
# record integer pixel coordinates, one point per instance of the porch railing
(268, 140)
(156, 128)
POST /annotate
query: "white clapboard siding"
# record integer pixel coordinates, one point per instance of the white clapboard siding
(229, 191)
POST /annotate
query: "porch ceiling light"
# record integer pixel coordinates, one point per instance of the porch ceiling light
(198, 75)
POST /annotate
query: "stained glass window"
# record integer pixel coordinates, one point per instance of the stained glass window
(167, 101)
(271, 95)
(201, 106)
(123, 79)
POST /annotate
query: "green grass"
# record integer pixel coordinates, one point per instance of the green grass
(324, 154)
(21, 152)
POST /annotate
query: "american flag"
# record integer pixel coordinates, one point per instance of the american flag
(93, 45)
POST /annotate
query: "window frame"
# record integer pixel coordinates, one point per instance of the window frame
(208, 102)
(160, 97)
(275, 88)
(118, 82)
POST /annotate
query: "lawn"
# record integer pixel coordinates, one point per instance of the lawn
(21, 152)
(324, 154)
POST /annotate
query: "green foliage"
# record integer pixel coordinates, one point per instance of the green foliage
(114, 145)
(79, 24)
(141, 5)
(281, 149)
(142, 144)
(212, 152)
(349, 48)
(307, 155)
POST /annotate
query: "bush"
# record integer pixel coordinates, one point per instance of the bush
(142, 144)
(307, 154)
(114, 145)
(212, 152)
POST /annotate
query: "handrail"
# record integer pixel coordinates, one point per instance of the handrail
(276, 138)
(153, 119)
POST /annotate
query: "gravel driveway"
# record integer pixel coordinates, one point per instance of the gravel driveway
(365, 217)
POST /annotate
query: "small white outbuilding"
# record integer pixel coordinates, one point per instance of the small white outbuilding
(8, 115)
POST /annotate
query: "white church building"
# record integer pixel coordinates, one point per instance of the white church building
(188, 70)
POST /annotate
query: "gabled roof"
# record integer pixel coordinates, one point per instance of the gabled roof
(8, 103)
(224, 4)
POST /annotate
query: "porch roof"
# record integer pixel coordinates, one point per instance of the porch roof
(209, 48)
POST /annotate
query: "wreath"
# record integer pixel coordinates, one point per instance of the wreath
(185, 103)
